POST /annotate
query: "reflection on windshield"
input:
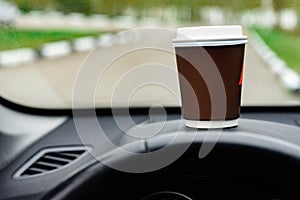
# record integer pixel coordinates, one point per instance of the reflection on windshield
(109, 53)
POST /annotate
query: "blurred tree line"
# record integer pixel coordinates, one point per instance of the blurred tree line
(140, 7)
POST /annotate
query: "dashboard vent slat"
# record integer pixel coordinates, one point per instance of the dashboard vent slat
(33, 171)
(49, 160)
(47, 165)
(57, 159)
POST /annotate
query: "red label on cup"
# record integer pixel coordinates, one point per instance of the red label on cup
(241, 76)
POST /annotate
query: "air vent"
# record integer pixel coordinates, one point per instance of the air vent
(49, 160)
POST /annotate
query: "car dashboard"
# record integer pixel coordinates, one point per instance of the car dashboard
(60, 155)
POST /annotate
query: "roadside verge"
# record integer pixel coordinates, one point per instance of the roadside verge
(289, 78)
(52, 50)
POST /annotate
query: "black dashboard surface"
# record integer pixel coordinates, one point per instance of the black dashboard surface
(281, 124)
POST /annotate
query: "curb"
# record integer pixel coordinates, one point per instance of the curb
(56, 49)
(287, 76)
(22, 55)
(83, 44)
(12, 58)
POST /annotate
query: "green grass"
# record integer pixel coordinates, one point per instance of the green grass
(11, 38)
(286, 45)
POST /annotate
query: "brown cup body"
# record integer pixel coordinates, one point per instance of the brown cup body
(193, 64)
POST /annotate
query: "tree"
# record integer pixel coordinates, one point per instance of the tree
(279, 4)
(68, 6)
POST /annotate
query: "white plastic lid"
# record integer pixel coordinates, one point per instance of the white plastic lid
(209, 36)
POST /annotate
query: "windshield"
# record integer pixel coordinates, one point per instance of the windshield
(119, 53)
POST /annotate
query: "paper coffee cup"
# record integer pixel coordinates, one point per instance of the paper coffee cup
(210, 64)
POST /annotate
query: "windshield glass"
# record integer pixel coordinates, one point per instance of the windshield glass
(119, 53)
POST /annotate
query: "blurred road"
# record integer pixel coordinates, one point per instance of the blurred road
(261, 87)
(49, 83)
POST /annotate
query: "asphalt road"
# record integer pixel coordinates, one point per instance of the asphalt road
(261, 86)
(125, 74)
